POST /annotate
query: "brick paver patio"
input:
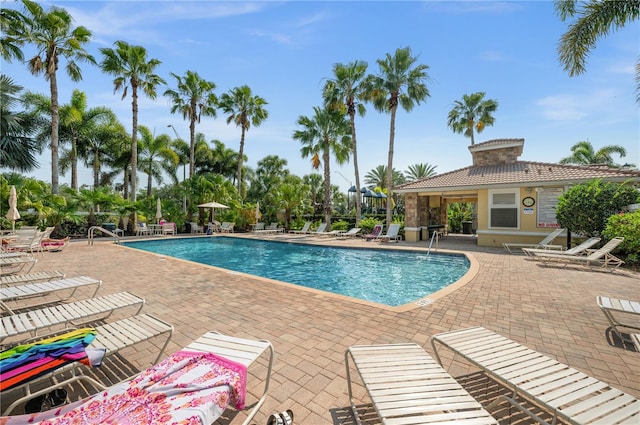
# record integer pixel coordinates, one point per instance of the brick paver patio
(548, 309)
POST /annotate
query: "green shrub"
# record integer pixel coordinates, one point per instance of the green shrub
(628, 226)
(340, 225)
(367, 224)
(586, 207)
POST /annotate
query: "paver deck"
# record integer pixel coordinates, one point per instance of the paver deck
(549, 309)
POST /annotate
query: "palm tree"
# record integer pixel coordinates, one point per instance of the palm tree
(314, 183)
(193, 98)
(584, 154)
(377, 178)
(343, 92)
(420, 171)
(244, 109)
(156, 155)
(595, 20)
(104, 146)
(328, 131)
(77, 126)
(53, 36)
(17, 146)
(130, 67)
(472, 113)
(400, 82)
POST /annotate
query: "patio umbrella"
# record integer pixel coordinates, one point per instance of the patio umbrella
(258, 215)
(158, 211)
(13, 213)
(212, 205)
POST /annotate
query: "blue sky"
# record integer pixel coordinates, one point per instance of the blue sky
(285, 50)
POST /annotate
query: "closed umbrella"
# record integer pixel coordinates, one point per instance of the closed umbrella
(13, 213)
(158, 211)
(258, 215)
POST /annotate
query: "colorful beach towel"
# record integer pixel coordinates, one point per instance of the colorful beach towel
(187, 388)
(23, 363)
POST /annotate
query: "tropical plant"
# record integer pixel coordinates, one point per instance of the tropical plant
(156, 155)
(290, 196)
(18, 148)
(131, 68)
(377, 178)
(472, 113)
(420, 171)
(244, 109)
(193, 98)
(595, 19)
(78, 126)
(344, 92)
(583, 153)
(326, 132)
(270, 172)
(586, 207)
(315, 185)
(107, 143)
(399, 82)
(457, 212)
(12, 24)
(52, 34)
(626, 225)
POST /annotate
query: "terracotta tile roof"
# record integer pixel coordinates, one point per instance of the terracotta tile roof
(517, 174)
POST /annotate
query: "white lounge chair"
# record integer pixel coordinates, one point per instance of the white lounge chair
(195, 228)
(30, 277)
(18, 264)
(375, 233)
(391, 235)
(304, 230)
(576, 250)
(142, 229)
(624, 308)
(183, 402)
(407, 386)
(566, 393)
(543, 244)
(351, 233)
(601, 258)
(168, 229)
(38, 290)
(227, 227)
(112, 338)
(33, 321)
(258, 227)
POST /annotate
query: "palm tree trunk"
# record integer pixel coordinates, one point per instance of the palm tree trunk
(355, 167)
(326, 158)
(149, 180)
(55, 122)
(192, 143)
(240, 156)
(96, 169)
(134, 141)
(392, 133)
(74, 165)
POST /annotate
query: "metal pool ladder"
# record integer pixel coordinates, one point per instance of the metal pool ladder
(93, 229)
(435, 235)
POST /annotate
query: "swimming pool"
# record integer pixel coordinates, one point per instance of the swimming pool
(387, 277)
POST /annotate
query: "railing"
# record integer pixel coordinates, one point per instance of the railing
(92, 230)
(434, 236)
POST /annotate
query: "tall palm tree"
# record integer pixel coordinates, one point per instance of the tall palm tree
(400, 82)
(420, 171)
(18, 147)
(156, 155)
(54, 37)
(244, 109)
(77, 126)
(326, 132)
(583, 153)
(193, 98)
(131, 68)
(103, 147)
(595, 19)
(472, 113)
(314, 183)
(343, 92)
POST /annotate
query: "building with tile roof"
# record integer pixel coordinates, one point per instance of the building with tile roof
(514, 201)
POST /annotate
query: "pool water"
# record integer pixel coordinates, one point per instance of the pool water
(388, 277)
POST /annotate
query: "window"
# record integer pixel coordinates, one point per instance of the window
(503, 208)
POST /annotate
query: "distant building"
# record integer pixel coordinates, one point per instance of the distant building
(514, 200)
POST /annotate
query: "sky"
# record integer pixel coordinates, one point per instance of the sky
(285, 51)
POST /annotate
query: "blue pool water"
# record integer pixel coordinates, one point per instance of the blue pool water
(388, 277)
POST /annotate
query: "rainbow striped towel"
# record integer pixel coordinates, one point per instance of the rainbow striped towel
(23, 363)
